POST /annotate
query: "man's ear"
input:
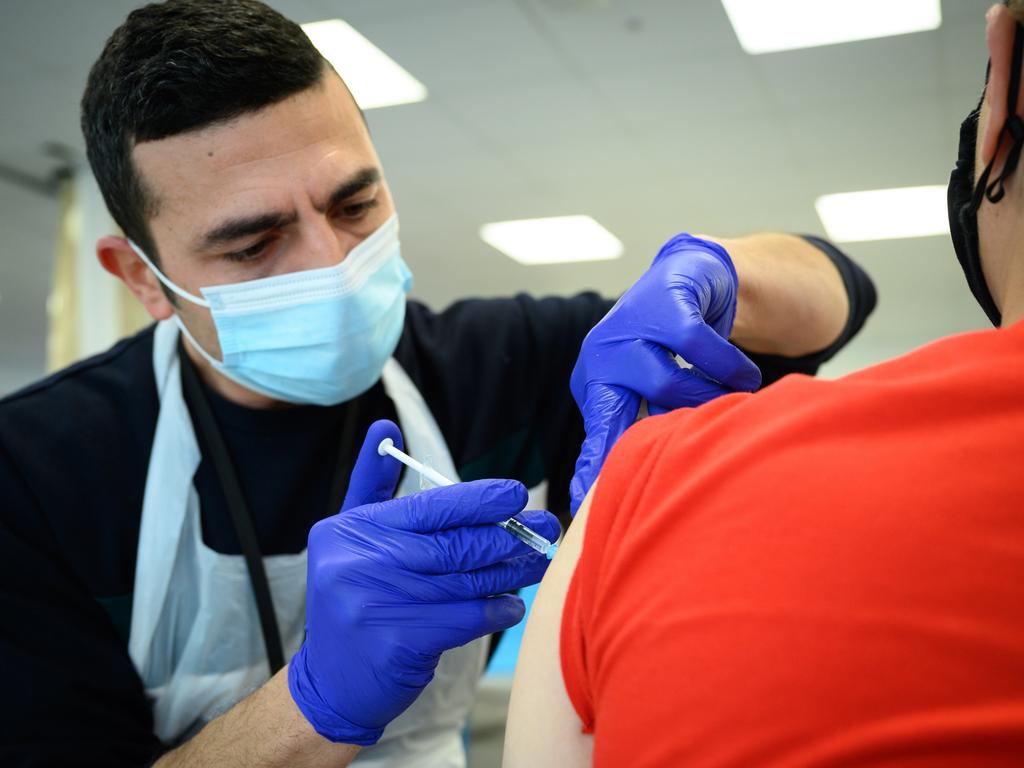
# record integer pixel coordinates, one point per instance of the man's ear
(117, 257)
(1001, 27)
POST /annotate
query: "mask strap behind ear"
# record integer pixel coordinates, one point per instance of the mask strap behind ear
(1013, 126)
(171, 285)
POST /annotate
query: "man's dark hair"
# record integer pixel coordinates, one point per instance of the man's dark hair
(180, 66)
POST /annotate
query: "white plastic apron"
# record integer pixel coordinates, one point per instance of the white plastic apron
(195, 633)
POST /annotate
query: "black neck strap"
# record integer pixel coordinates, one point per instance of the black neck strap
(238, 508)
(241, 518)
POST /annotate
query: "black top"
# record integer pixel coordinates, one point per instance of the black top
(74, 450)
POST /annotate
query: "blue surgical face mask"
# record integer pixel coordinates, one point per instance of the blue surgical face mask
(320, 336)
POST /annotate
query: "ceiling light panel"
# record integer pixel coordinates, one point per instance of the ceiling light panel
(552, 240)
(782, 25)
(373, 77)
(884, 214)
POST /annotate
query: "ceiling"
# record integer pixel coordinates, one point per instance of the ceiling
(645, 114)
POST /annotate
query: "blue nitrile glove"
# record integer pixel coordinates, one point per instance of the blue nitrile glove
(391, 584)
(683, 305)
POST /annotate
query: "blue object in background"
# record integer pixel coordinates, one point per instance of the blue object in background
(503, 662)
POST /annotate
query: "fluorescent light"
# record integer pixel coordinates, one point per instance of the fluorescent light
(373, 77)
(552, 240)
(884, 214)
(781, 25)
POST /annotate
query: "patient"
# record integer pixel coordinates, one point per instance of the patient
(821, 574)
(853, 597)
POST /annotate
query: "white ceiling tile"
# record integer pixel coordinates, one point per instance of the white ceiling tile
(841, 151)
(656, 35)
(458, 44)
(715, 89)
(865, 75)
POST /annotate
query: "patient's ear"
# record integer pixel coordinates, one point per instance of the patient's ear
(999, 34)
(117, 257)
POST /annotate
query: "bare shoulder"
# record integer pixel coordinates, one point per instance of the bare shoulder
(543, 728)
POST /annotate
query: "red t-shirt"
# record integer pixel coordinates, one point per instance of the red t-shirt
(822, 574)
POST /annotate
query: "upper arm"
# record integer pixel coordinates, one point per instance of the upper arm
(66, 670)
(543, 727)
(859, 303)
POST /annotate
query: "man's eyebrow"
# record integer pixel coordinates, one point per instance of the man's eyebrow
(357, 183)
(244, 226)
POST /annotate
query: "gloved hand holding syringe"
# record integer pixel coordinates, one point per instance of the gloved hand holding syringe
(403, 580)
(513, 526)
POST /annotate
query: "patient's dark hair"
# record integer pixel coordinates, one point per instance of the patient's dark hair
(180, 66)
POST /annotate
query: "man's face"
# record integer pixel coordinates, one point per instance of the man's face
(292, 187)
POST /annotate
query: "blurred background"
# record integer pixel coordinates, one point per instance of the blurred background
(649, 116)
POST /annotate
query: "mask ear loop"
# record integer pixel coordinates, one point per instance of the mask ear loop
(1013, 126)
(170, 284)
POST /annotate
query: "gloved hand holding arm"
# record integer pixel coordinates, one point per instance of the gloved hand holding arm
(684, 304)
(391, 585)
(771, 293)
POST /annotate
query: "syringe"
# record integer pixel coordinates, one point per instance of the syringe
(513, 526)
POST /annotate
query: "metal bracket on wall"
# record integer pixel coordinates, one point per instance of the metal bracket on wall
(46, 186)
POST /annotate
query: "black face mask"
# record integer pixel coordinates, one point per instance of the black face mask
(964, 197)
